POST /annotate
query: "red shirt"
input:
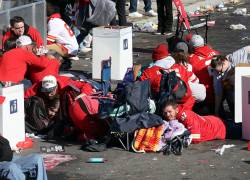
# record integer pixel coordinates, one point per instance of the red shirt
(201, 60)
(154, 75)
(14, 64)
(36, 74)
(62, 82)
(32, 32)
(202, 128)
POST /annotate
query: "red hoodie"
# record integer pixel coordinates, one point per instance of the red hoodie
(15, 62)
(202, 128)
(201, 60)
(32, 32)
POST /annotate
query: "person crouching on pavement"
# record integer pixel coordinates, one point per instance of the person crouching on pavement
(164, 62)
(224, 74)
(53, 97)
(36, 74)
(202, 128)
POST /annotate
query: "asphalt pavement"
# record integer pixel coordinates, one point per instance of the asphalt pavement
(198, 161)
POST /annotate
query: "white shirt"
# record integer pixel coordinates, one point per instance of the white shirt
(59, 32)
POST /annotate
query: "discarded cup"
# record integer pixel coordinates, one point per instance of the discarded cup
(95, 160)
(248, 146)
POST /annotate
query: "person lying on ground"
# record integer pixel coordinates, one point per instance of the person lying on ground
(18, 27)
(163, 61)
(202, 128)
(200, 60)
(20, 167)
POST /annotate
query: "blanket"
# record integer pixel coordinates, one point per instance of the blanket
(148, 140)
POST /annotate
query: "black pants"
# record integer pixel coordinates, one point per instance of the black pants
(120, 8)
(165, 15)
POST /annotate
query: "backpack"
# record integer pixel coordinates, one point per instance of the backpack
(171, 88)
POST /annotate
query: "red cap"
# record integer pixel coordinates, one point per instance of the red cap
(160, 52)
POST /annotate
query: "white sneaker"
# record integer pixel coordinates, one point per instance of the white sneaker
(85, 49)
(151, 13)
(135, 15)
(74, 58)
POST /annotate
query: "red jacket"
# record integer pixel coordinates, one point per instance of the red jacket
(62, 82)
(36, 75)
(202, 128)
(14, 64)
(29, 30)
(154, 75)
(201, 60)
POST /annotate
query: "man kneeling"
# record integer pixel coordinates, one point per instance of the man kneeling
(202, 128)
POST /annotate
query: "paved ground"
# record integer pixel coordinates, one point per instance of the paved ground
(197, 162)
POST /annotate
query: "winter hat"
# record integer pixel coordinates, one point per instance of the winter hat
(181, 47)
(49, 83)
(160, 52)
(197, 41)
(23, 41)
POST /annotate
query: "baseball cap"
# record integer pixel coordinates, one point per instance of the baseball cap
(160, 52)
(49, 83)
(181, 46)
(197, 41)
(23, 41)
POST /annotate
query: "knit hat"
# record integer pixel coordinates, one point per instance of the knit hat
(181, 46)
(23, 41)
(197, 41)
(160, 52)
(49, 83)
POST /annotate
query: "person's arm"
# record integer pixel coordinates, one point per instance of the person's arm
(36, 61)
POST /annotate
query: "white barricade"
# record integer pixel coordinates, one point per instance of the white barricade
(246, 107)
(240, 70)
(114, 42)
(12, 124)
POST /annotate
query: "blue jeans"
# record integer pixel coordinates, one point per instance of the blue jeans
(30, 166)
(133, 5)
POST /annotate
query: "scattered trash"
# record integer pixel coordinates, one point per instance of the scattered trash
(87, 58)
(245, 38)
(222, 9)
(95, 160)
(183, 172)
(52, 160)
(146, 27)
(211, 165)
(56, 148)
(221, 150)
(234, 1)
(32, 135)
(221, 5)
(237, 27)
(240, 11)
(155, 159)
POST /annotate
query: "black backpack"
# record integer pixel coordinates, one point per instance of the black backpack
(171, 88)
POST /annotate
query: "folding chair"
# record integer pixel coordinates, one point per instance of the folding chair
(184, 22)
